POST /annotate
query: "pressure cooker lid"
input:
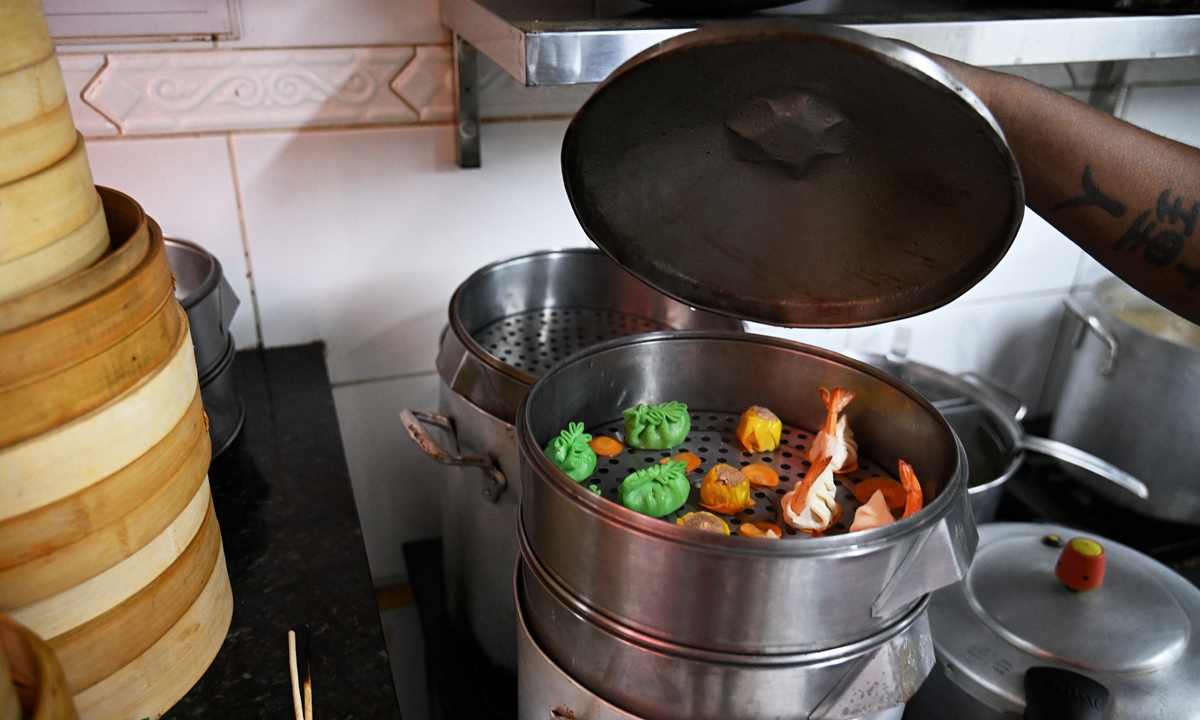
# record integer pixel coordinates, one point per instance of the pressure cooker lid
(1131, 633)
(793, 173)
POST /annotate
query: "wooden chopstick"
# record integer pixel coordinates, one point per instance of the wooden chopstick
(296, 702)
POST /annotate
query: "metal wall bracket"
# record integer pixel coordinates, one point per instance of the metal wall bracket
(1110, 79)
(466, 94)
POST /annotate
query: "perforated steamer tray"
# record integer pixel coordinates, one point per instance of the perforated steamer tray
(534, 341)
(714, 440)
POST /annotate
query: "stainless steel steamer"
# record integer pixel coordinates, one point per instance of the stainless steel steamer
(654, 679)
(730, 593)
(509, 322)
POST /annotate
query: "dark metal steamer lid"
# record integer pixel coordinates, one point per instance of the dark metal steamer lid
(793, 173)
(1134, 634)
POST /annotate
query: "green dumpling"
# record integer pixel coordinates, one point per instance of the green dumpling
(572, 454)
(656, 427)
(656, 490)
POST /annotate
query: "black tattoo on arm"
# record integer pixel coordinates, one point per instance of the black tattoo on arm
(1161, 240)
(1093, 197)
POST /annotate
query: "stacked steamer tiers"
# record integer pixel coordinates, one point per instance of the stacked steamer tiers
(109, 547)
(32, 684)
(770, 191)
(510, 322)
(51, 219)
(661, 621)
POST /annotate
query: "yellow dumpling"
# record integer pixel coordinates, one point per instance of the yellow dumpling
(759, 430)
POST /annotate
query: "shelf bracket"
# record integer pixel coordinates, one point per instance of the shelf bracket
(1106, 92)
(466, 95)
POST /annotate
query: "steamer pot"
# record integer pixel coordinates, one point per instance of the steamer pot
(986, 420)
(652, 679)
(1130, 396)
(510, 321)
(691, 589)
(203, 291)
(1134, 635)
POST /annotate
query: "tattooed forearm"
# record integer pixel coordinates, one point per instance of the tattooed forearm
(1092, 197)
(1162, 240)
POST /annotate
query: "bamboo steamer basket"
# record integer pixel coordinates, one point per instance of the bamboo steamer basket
(42, 687)
(159, 677)
(64, 611)
(24, 36)
(40, 208)
(69, 254)
(10, 705)
(55, 549)
(36, 129)
(79, 332)
(43, 404)
(37, 143)
(129, 233)
(102, 646)
(73, 456)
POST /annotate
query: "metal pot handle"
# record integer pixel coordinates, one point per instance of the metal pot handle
(1087, 461)
(412, 420)
(990, 386)
(1091, 322)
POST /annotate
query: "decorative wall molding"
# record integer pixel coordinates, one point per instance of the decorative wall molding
(427, 83)
(78, 71)
(229, 90)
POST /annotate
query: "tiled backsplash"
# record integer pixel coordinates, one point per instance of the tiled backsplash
(315, 158)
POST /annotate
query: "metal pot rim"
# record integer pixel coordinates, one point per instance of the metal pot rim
(848, 544)
(1094, 295)
(469, 342)
(211, 279)
(652, 644)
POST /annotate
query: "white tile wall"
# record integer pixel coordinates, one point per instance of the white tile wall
(186, 184)
(324, 23)
(360, 237)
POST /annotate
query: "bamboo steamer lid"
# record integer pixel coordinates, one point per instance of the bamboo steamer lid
(41, 405)
(41, 208)
(37, 143)
(55, 556)
(73, 252)
(69, 458)
(79, 332)
(42, 685)
(24, 36)
(71, 608)
(97, 649)
(10, 706)
(129, 233)
(153, 682)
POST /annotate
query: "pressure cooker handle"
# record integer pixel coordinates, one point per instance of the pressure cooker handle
(412, 420)
(1087, 461)
(1091, 322)
(1056, 694)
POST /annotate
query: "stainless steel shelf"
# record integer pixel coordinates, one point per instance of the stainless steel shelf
(562, 42)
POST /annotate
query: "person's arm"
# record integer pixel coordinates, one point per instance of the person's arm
(1128, 197)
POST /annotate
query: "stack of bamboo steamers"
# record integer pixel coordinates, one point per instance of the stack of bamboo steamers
(109, 546)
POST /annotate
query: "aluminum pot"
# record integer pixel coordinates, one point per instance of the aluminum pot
(986, 420)
(205, 294)
(222, 404)
(1130, 396)
(738, 594)
(509, 321)
(650, 678)
(1128, 648)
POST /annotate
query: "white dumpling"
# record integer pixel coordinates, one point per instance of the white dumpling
(875, 513)
(819, 506)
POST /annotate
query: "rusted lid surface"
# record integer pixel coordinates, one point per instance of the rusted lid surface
(793, 173)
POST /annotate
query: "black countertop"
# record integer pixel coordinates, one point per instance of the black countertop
(295, 554)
